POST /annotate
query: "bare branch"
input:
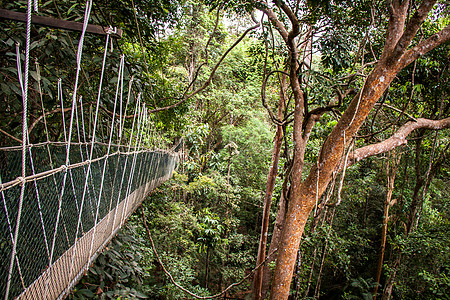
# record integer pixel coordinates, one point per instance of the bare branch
(263, 97)
(425, 46)
(208, 81)
(183, 288)
(398, 138)
(11, 136)
(412, 27)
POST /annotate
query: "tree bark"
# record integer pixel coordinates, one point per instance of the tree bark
(395, 57)
(390, 174)
(273, 171)
(279, 221)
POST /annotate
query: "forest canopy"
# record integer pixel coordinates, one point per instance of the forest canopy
(315, 142)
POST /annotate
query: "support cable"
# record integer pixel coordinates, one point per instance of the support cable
(133, 164)
(136, 109)
(105, 163)
(5, 206)
(24, 142)
(91, 151)
(79, 54)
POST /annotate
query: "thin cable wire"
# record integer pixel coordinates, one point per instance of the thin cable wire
(59, 213)
(133, 166)
(5, 206)
(79, 54)
(39, 203)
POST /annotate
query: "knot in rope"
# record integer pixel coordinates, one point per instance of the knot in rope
(22, 180)
(111, 30)
(64, 167)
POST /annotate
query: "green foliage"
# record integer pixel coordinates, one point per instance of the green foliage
(119, 270)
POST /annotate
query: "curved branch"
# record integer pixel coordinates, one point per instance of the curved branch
(208, 81)
(425, 46)
(293, 18)
(183, 288)
(263, 97)
(56, 110)
(398, 138)
(274, 20)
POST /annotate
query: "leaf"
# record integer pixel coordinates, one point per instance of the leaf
(72, 8)
(86, 292)
(34, 75)
(140, 295)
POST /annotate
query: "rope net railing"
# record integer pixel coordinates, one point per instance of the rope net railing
(62, 201)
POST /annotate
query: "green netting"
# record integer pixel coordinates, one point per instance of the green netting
(85, 223)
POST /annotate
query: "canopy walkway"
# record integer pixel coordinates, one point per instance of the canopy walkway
(62, 201)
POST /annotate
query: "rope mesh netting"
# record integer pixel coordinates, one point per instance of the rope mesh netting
(62, 202)
(85, 223)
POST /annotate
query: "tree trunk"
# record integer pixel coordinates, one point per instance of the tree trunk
(304, 195)
(258, 278)
(387, 292)
(267, 272)
(390, 174)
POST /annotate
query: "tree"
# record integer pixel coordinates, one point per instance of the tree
(404, 21)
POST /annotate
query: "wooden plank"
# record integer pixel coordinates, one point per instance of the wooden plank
(56, 23)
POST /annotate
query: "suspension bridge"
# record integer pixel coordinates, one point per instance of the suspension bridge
(62, 201)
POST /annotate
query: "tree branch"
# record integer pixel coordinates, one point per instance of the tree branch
(11, 136)
(293, 18)
(413, 26)
(425, 46)
(275, 21)
(398, 138)
(208, 81)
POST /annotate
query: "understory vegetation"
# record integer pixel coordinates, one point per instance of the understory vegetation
(378, 226)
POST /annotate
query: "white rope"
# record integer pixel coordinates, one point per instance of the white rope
(79, 54)
(5, 206)
(133, 165)
(136, 109)
(59, 213)
(89, 170)
(39, 202)
(60, 98)
(105, 163)
(81, 149)
(66, 143)
(70, 173)
(24, 143)
(90, 154)
(38, 72)
(121, 127)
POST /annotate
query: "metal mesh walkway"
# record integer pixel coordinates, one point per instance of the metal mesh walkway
(62, 201)
(129, 177)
